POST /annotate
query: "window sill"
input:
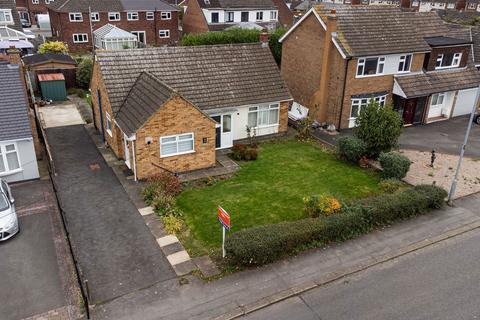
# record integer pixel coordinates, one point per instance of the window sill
(7, 173)
(177, 154)
(443, 68)
(370, 75)
(266, 126)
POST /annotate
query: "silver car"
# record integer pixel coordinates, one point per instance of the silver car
(8, 216)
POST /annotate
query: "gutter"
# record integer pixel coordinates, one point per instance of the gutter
(343, 92)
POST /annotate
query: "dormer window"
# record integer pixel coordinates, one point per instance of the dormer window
(448, 60)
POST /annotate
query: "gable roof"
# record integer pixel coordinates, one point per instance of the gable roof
(211, 77)
(14, 120)
(10, 4)
(237, 4)
(39, 58)
(110, 5)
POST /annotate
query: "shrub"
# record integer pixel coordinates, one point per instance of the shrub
(379, 127)
(84, 72)
(152, 191)
(53, 47)
(352, 148)
(244, 152)
(251, 154)
(164, 205)
(275, 45)
(268, 243)
(172, 224)
(394, 165)
(390, 185)
(169, 183)
(321, 205)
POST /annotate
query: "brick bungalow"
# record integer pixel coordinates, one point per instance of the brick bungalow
(154, 22)
(170, 108)
(335, 61)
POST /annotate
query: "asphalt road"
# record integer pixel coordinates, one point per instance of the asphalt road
(438, 282)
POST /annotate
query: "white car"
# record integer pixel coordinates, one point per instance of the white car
(8, 216)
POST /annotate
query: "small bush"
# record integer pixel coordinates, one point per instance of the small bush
(352, 148)
(169, 183)
(152, 191)
(244, 152)
(164, 205)
(251, 154)
(394, 165)
(390, 185)
(172, 224)
(324, 205)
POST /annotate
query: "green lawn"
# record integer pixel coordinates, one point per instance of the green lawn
(270, 189)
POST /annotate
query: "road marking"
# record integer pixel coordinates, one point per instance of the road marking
(165, 241)
(178, 257)
(146, 211)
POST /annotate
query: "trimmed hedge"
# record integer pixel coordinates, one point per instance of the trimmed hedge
(265, 244)
(352, 148)
(394, 165)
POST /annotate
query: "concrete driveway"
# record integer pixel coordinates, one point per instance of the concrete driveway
(115, 249)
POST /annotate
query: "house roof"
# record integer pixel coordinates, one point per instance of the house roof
(39, 58)
(110, 5)
(14, 120)
(476, 44)
(10, 4)
(237, 4)
(424, 84)
(110, 31)
(441, 41)
(51, 77)
(211, 77)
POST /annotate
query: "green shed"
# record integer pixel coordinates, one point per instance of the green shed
(52, 86)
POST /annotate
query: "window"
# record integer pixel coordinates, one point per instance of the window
(132, 16)
(414, 3)
(358, 104)
(214, 17)
(150, 15)
(451, 5)
(259, 16)
(405, 62)
(370, 66)
(244, 17)
(448, 60)
(206, 1)
(471, 5)
(176, 145)
(80, 37)
(229, 16)
(108, 123)
(166, 15)
(35, 1)
(273, 15)
(75, 16)
(263, 116)
(114, 16)
(49, 1)
(164, 33)
(9, 160)
(95, 16)
(437, 99)
(6, 16)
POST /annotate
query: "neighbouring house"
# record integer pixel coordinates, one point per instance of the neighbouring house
(37, 64)
(18, 160)
(153, 22)
(218, 15)
(170, 108)
(11, 31)
(335, 61)
(31, 9)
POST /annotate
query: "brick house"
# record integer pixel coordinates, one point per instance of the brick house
(170, 108)
(29, 9)
(154, 22)
(336, 61)
(218, 15)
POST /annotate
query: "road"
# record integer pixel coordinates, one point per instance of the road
(438, 282)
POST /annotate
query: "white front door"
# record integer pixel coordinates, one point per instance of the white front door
(223, 136)
(436, 105)
(126, 150)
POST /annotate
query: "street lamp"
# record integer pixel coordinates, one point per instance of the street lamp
(462, 151)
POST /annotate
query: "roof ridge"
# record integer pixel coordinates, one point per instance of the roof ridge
(63, 4)
(148, 73)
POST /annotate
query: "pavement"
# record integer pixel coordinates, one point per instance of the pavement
(438, 282)
(251, 290)
(115, 250)
(60, 114)
(39, 274)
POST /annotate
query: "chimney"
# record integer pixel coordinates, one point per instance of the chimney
(264, 38)
(14, 56)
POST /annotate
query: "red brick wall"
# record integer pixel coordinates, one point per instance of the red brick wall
(285, 15)
(193, 20)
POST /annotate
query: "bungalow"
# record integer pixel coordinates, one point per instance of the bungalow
(170, 108)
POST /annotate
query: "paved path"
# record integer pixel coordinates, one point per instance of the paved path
(439, 282)
(244, 291)
(116, 251)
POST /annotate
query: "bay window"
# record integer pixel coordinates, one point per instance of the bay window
(370, 66)
(263, 116)
(9, 160)
(359, 103)
(176, 145)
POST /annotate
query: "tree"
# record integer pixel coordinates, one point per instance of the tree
(275, 46)
(379, 127)
(84, 72)
(53, 47)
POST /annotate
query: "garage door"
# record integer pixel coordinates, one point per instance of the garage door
(465, 101)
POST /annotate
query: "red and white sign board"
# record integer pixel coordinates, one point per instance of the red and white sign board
(223, 218)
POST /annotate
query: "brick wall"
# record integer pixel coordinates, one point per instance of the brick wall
(175, 117)
(193, 20)
(431, 59)
(285, 15)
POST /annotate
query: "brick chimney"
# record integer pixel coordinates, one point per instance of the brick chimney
(264, 37)
(14, 56)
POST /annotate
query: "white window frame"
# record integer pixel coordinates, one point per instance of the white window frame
(380, 67)
(75, 16)
(258, 111)
(435, 99)
(150, 15)
(403, 60)
(7, 13)
(49, 1)
(95, 16)
(471, 5)
(457, 58)
(227, 16)
(35, 1)
(451, 5)
(4, 152)
(166, 15)
(108, 124)
(132, 15)
(259, 16)
(177, 140)
(166, 33)
(273, 15)
(78, 35)
(363, 102)
(114, 14)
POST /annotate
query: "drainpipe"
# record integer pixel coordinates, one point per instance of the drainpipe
(343, 93)
(134, 162)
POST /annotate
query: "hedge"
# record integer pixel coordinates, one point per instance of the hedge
(394, 165)
(352, 148)
(265, 244)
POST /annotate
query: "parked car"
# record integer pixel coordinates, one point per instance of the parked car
(25, 23)
(8, 216)
(476, 119)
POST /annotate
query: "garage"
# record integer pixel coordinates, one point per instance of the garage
(465, 101)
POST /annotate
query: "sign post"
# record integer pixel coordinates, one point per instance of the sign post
(224, 219)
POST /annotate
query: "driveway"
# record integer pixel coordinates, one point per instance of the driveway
(115, 249)
(29, 268)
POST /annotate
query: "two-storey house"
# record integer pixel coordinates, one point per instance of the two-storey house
(29, 9)
(335, 61)
(153, 22)
(11, 32)
(218, 15)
